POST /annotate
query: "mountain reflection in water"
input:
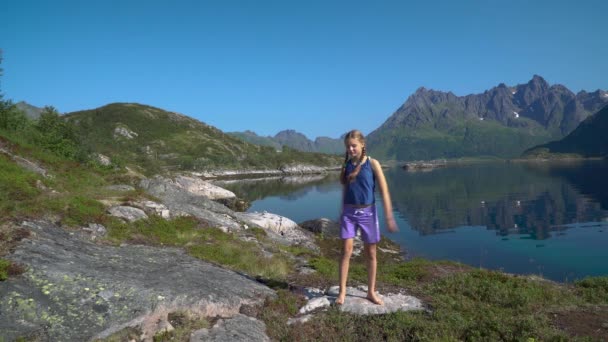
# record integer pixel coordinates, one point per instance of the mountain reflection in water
(524, 218)
(510, 198)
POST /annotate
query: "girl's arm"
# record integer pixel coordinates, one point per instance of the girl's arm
(386, 196)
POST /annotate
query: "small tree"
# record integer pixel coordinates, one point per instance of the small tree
(56, 134)
(10, 117)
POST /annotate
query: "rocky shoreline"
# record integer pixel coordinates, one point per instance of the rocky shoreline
(424, 165)
(76, 282)
(76, 288)
(288, 170)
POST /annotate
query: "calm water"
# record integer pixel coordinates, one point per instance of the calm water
(550, 220)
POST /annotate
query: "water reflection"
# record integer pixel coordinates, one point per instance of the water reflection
(285, 187)
(545, 219)
(508, 198)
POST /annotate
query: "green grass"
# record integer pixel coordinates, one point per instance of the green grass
(593, 289)
(16, 187)
(4, 265)
(476, 305)
(166, 140)
(464, 304)
(210, 244)
(184, 323)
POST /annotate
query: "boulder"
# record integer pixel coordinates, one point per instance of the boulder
(124, 132)
(128, 213)
(280, 228)
(103, 160)
(180, 202)
(199, 187)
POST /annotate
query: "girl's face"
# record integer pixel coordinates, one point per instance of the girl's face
(354, 148)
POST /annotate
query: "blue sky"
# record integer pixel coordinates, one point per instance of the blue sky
(319, 67)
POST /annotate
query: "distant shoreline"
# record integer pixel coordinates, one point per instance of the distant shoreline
(257, 173)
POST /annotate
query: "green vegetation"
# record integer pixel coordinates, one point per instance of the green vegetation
(594, 289)
(464, 304)
(587, 140)
(4, 265)
(210, 244)
(255, 139)
(184, 323)
(153, 140)
(454, 139)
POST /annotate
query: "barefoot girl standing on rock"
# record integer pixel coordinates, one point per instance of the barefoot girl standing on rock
(359, 177)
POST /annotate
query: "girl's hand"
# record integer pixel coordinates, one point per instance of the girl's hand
(392, 225)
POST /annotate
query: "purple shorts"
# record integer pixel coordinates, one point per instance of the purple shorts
(366, 219)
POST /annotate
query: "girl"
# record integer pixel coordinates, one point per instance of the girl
(359, 177)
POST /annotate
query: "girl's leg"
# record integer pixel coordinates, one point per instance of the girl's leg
(372, 265)
(347, 251)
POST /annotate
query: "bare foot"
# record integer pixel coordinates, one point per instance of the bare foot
(374, 299)
(340, 299)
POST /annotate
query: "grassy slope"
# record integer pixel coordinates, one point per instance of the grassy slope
(454, 139)
(587, 140)
(167, 140)
(465, 303)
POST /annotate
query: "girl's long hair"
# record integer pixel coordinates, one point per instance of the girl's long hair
(354, 134)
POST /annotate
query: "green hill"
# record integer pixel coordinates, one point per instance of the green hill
(589, 139)
(156, 139)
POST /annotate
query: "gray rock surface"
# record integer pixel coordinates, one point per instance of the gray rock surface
(301, 169)
(279, 227)
(239, 328)
(357, 303)
(74, 290)
(323, 226)
(24, 163)
(124, 132)
(103, 160)
(197, 186)
(178, 200)
(120, 187)
(128, 213)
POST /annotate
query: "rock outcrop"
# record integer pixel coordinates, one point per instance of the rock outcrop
(280, 228)
(180, 200)
(323, 226)
(74, 290)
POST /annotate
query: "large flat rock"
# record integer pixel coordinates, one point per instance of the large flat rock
(75, 290)
(355, 302)
(239, 328)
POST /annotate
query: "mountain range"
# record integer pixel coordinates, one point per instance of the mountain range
(293, 139)
(503, 121)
